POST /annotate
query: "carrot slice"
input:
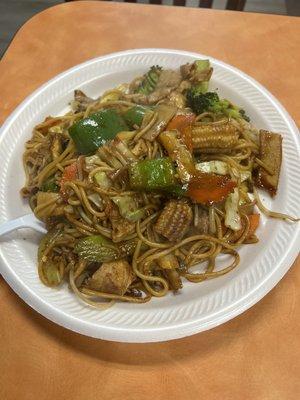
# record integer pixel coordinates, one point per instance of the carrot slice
(69, 174)
(254, 222)
(180, 121)
(253, 225)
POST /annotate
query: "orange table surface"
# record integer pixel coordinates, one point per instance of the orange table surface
(256, 356)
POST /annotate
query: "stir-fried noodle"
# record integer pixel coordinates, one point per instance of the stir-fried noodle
(142, 185)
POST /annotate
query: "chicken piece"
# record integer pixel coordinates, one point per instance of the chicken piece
(159, 82)
(195, 74)
(81, 101)
(112, 277)
(138, 98)
(159, 94)
(169, 78)
(168, 81)
(271, 156)
(186, 70)
(174, 221)
(153, 98)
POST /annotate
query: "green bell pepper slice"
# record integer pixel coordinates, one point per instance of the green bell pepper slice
(94, 131)
(135, 115)
(97, 248)
(155, 175)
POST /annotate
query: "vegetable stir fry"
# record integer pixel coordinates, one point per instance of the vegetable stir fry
(144, 187)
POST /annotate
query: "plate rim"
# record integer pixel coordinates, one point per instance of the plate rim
(179, 329)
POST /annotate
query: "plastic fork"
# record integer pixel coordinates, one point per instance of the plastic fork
(26, 221)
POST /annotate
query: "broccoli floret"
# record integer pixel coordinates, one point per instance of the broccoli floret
(201, 102)
(150, 80)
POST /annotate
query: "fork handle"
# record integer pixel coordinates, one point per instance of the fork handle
(26, 221)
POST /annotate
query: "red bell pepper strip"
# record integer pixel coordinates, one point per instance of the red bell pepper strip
(209, 188)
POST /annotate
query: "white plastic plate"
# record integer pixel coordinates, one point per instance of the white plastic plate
(198, 306)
